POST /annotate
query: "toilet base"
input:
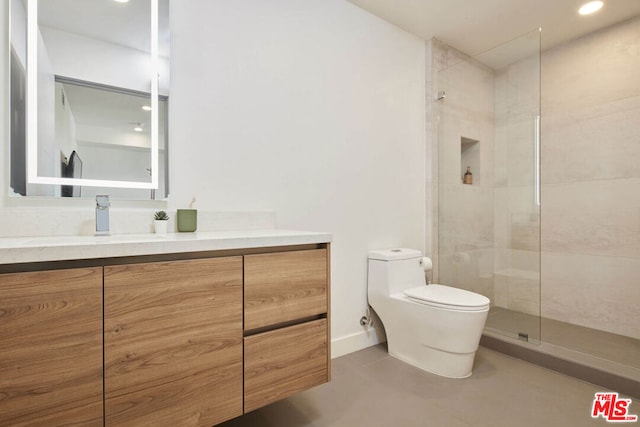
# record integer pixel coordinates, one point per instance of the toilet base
(438, 362)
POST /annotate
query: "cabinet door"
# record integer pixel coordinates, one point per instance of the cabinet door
(284, 286)
(173, 342)
(51, 348)
(280, 363)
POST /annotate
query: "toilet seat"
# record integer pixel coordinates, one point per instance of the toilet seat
(448, 298)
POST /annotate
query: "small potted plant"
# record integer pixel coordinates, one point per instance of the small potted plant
(160, 221)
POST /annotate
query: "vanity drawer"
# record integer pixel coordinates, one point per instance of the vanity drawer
(284, 286)
(283, 362)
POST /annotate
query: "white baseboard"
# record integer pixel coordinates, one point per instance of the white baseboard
(358, 341)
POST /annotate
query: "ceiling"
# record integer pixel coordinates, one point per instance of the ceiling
(474, 26)
(126, 24)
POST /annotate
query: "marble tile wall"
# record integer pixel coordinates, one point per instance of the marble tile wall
(599, 292)
(591, 180)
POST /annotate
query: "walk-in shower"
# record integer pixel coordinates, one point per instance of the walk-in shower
(544, 225)
(489, 228)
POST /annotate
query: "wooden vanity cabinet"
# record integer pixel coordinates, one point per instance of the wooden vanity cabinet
(173, 342)
(164, 342)
(51, 348)
(284, 361)
(286, 344)
(284, 286)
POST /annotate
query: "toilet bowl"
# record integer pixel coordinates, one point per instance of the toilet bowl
(432, 327)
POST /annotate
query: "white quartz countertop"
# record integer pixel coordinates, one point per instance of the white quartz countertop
(58, 248)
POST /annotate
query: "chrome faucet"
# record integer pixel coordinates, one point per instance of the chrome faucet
(102, 215)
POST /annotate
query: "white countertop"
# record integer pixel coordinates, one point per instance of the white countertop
(59, 248)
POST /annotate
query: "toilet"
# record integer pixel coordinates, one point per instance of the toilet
(432, 327)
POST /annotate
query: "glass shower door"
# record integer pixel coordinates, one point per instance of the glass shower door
(489, 221)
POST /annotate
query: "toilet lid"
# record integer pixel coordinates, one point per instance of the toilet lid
(440, 295)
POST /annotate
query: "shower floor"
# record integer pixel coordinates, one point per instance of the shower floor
(610, 349)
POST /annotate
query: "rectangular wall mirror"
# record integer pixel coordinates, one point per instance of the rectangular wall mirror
(89, 98)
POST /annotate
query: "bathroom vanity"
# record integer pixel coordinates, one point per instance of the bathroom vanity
(141, 330)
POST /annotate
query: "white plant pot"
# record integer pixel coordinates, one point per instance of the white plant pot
(160, 226)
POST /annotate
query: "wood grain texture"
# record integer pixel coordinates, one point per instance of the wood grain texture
(284, 286)
(283, 362)
(173, 342)
(51, 348)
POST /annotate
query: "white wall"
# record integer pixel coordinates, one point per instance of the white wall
(18, 29)
(93, 60)
(313, 109)
(107, 161)
(65, 124)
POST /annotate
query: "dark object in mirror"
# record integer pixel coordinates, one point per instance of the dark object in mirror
(18, 147)
(72, 168)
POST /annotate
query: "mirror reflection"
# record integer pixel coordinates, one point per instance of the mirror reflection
(95, 112)
(108, 133)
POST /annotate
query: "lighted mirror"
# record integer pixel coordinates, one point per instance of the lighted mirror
(89, 98)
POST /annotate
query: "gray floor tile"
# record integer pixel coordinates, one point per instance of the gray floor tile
(370, 388)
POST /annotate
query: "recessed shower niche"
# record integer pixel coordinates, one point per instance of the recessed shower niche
(470, 158)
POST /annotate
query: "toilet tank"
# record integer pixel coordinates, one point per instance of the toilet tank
(392, 271)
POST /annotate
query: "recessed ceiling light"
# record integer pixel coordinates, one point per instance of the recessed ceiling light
(591, 7)
(121, 1)
(137, 129)
(146, 108)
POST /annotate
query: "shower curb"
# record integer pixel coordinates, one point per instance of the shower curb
(609, 380)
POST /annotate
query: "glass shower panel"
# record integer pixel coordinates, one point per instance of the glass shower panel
(466, 211)
(489, 222)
